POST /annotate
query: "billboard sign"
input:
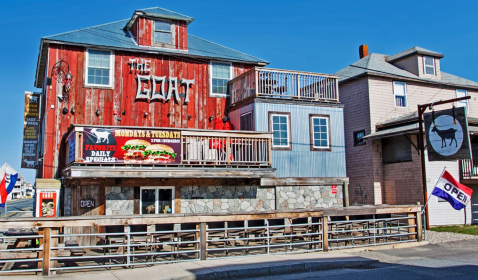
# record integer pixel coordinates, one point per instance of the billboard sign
(447, 135)
(31, 123)
(131, 146)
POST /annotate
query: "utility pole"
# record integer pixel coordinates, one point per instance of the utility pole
(421, 141)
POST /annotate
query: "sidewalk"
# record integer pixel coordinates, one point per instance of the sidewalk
(220, 268)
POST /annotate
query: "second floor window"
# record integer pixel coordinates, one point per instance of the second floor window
(429, 65)
(98, 64)
(358, 137)
(400, 94)
(462, 103)
(319, 133)
(220, 76)
(162, 32)
(279, 124)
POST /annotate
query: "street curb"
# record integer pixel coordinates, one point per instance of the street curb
(270, 270)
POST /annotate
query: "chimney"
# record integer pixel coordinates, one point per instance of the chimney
(363, 51)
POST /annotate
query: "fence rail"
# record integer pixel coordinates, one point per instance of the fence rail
(469, 168)
(130, 241)
(274, 83)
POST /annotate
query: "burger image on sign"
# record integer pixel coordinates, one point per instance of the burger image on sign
(159, 153)
(133, 150)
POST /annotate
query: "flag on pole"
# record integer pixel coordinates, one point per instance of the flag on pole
(457, 194)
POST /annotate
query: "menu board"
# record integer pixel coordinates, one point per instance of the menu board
(131, 146)
(31, 122)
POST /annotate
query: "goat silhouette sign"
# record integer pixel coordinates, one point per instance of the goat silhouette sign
(447, 135)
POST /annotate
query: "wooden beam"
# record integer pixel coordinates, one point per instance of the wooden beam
(325, 233)
(46, 251)
(304, 181)
(203, 240)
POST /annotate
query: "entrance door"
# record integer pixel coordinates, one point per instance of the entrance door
(157, 200)
(474, 206)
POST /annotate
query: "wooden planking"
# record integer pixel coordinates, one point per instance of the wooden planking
(87, 100)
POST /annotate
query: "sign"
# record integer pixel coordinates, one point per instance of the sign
(87, 203)
(334, 189)
(447, 135)
(131, 146)
(151, 89)
(31, 122)
(47, 202)
(70, 152)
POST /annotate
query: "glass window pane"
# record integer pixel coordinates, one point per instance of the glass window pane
(275, 127)
(284, 142)
(323, 122)
(316, 136)
(161, 25)
(275, 119)
(221, 70)
(430, 70)
(323, 143)
(317, 143)
(429, 61)
(162, 37)
(316, 121)
(165, 199)
(283, 119)
(276, 141)
(283, 127)
(283, 134)
(148, 199)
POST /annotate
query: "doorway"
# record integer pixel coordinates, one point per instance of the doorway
(157, 200)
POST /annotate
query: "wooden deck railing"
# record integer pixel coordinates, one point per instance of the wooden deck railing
(273, 83)
(53, 244)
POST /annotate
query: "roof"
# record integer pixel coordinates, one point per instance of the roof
(411, 51)
(378, 64)
(163, 13)
(389, 132)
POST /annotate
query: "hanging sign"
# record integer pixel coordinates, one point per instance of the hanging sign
(31, 122)
(447, 135)
(131, 146)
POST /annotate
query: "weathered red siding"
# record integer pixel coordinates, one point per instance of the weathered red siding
(142, 30)
(87, 100)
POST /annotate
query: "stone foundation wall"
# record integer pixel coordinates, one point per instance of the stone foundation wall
(226, 199)
(67, 202)
(300, 197)
(119, 200)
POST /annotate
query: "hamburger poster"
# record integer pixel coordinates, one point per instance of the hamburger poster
(131, 146)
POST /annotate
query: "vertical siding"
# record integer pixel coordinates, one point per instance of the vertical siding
(301, 161)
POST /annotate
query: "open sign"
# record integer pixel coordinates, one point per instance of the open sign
(87, 203)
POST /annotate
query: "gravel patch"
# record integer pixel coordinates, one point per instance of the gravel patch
(435, 237)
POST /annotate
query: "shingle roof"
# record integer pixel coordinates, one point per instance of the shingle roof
(160, 12)
(112, 35)
(378, 64)
(413, 51)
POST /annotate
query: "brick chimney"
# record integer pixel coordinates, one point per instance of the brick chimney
(363, 51)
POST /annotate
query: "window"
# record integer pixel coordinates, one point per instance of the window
(279, 124)
(319, 133)
(162, 32)
(99, 65)
(400, 93)
(396, 149)
(429, 65)
(247, 122)
(462, 103)
(358, 137)
(221, 74)
(157, 200)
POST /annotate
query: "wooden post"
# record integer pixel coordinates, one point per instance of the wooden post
(46, 252)
(270, 151)
(411, 223)
(298, 85)
(203, 240)
(419, 226)
(346, 194)
(228, 150)
(257, 81)
(325, 233)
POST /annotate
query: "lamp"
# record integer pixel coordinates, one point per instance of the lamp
(72, 110)
(98, 112)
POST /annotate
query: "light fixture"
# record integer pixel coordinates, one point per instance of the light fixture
(64, 110)
(72, 110)
(189, 117)
(145, 114)
(98, 112)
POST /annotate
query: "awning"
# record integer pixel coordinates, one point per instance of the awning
(389, 132)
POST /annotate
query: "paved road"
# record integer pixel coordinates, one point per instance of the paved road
(452, 260)
(24, 204)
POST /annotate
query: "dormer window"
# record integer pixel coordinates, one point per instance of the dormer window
(162, 32)
(429, 65)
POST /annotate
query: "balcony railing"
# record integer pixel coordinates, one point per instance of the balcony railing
(469, 169)
(195, 147)
(273, 83)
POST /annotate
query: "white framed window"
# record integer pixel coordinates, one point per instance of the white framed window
(462, 103)
(156, 200)
(400, 94)
(99, 68)
(162, 32)
(220, 73)
(279, 124)
(319, 132)
(429, 65)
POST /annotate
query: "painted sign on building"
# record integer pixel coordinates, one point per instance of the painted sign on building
(31, 122)
(47, 202)
(131, 146)
(447, 135)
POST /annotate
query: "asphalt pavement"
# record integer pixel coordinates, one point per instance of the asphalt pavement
(15, 205)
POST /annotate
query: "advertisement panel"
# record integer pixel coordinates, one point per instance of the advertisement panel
(31, 122)
(447, 135)
(131, 146)
(47, 202)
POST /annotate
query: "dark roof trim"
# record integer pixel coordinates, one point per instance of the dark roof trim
(137, 13)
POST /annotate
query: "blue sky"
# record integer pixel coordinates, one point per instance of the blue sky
(316, 36)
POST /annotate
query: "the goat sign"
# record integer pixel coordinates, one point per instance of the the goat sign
(447, 135)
